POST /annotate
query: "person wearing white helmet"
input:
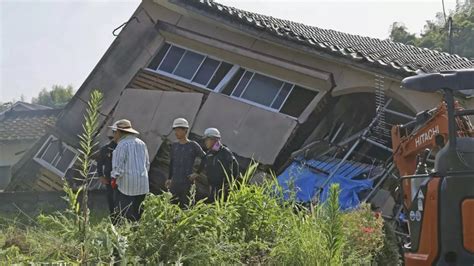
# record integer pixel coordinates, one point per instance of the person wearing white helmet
(220, 164)
(183, 155)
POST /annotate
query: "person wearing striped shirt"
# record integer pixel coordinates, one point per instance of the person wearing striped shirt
(130, 165)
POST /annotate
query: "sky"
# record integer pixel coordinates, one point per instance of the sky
(44, 43)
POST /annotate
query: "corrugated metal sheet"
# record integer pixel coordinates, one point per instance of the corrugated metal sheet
(152, 113)
(249, 131)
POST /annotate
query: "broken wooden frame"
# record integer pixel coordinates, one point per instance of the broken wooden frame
(367, 136)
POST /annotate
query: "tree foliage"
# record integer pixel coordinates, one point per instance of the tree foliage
(57, 97)
(5, 106)
(435, 33)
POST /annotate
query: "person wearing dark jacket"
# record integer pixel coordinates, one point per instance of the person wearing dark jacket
(104, 168)
(219, 164)
(182, 157)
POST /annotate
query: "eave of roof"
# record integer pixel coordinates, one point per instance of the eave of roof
(386, 56)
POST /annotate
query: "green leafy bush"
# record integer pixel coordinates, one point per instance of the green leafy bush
(253, 226)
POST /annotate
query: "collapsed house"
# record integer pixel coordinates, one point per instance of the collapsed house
(21, 125)
(282, 93)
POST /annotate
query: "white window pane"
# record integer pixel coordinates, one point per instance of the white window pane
(242, 83)
(188, 65)
(206, 71)
(229, 87)
(220, 74)
(159, 57)
(44, 148)
(51, 151)
(282, 95)
(65, 160)
(262, 89)
(172, 59)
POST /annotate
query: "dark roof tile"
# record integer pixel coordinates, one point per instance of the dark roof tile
(26, 125)
(391, 56)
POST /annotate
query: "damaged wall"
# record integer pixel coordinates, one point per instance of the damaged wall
(129, 52)
(152, 113)
(249, 131)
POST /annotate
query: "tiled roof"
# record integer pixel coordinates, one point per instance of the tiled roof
(391, 56)
(26, 125)
(24, 106)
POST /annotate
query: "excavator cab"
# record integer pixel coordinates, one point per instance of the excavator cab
(441, 216)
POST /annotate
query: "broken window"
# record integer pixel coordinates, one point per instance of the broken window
(189, 66)
(244, 84)
(56, 156)
(297, 101)
(270, 92)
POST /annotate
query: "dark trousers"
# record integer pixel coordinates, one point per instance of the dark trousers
(130, 207)
(112, 202)
(181, 194)
(217, 191)
(110, 193)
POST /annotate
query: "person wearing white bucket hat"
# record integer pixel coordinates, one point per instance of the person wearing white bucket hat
(130, 165)
(183, 155)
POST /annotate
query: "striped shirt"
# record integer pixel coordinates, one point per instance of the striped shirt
(130, 165)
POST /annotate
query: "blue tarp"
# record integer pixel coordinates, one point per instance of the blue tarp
(305, 178)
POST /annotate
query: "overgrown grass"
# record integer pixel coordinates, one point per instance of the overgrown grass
(253, 226)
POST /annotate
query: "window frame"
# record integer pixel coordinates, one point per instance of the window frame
(190, 81)
(225, 80)
(274, 98)
(50, 166)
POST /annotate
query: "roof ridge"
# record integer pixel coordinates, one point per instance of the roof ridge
(336, 31)
(29, 113)
(363, 49)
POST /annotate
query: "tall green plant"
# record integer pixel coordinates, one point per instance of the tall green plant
(87, 145)
(332, 226)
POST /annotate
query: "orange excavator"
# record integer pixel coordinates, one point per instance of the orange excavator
(413, 142)
(439, 204)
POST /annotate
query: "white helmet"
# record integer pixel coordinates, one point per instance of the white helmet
(212, 133)
(180, 122)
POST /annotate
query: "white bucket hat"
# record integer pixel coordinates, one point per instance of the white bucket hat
(124, 125)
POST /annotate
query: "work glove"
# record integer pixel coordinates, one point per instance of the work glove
(113, 183)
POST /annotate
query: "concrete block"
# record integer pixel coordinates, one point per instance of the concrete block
(152, 113)
(249, 131)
